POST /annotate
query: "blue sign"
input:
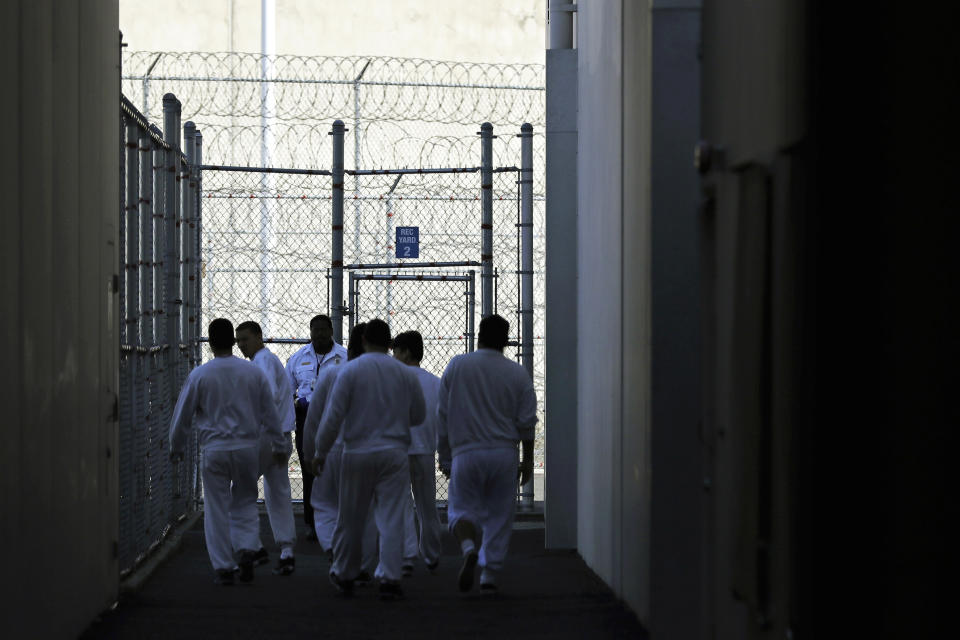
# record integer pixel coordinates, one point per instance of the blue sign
(408, 242)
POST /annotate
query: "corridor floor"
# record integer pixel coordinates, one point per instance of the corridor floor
(544, 594)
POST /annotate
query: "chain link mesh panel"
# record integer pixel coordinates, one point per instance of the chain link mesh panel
(267, 259)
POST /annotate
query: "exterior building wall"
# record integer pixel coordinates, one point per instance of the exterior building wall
(59, 181)
(489, 31)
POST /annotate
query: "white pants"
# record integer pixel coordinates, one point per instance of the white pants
(276, 493)
(421, 523)
(483, 490)
(230, 521)
(380, 478)
(325, 500)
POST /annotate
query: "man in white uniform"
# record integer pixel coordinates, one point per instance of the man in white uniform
(325, 497)
(304, 368)
(485, 406)
(229, 402)
(276, 478)
(408, 349)
(374, 402)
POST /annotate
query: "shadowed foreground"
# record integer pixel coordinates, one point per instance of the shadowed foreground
(544, 594)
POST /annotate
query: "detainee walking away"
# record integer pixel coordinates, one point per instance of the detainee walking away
(423, 533)
(276, 477)
(229, 402)
(486, 405)
(374, 402)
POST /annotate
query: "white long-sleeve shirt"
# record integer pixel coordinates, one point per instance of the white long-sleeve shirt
(423, 437)
(229, 402)
(304, 367)
(374, 401)
(311, 423)
(271, 366)
(486, 401)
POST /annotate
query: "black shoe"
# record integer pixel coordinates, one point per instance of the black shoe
(246, 566)
(488, 588)
(363, 579)
(432, 566)
(466, 571)
(284, 566)
(223, 577)
(343, 586)
(261, 557)
(390, 591)
(311, 533)
(407, 570)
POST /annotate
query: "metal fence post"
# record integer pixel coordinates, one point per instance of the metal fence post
(472, 311)
(198, 251)
(526, 272)
(186, 222)
(171, 257)
(486, 223)
(336, 253)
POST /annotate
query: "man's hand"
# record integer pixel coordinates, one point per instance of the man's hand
(525, 471)
(176, 456)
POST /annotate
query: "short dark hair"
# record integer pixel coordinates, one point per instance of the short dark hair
(220, 333)
(494, 331)
(377, 332)
(321, 318)
(412, 341)
(252, 327)
(355, 345)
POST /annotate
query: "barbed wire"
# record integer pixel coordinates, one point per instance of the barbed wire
(266, 242)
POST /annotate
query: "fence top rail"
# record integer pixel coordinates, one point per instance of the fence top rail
(223, 167)
(412, 265)
(131, 112)
(272, 340)
(430, 277)
(349, 172)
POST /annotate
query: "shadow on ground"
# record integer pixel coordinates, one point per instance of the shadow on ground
(544, 594)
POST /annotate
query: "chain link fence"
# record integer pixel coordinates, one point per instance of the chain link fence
(266, 236)
(159, 298)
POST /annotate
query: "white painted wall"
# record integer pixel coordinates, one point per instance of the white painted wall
(463, 30)
(599, 227)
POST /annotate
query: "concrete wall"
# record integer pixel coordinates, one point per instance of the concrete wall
(639, 498)
(60, 185)
(489, 31)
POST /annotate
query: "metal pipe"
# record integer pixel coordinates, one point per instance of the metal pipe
(413, 265)
(560, 24)
(352, 303)
(171, 257)
(336, 253)
(526, 272)
(267, 108)
(131, 260)
(471, 311)
(198, 251)
(432, 277)
(486, 223)
(357, 221)
(159, 239)
(389, 240)
(306, 172)
(145, 269)
(186, 237)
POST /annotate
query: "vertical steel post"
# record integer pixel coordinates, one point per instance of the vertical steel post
(171, 254)
(268, 12)
(526, 272)
(336, 253)
(486, 223)
(351, 298)
(472, 312)
(159, 200)
(132, 300)
(145, 145)
(198, 251)
(186, 230)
